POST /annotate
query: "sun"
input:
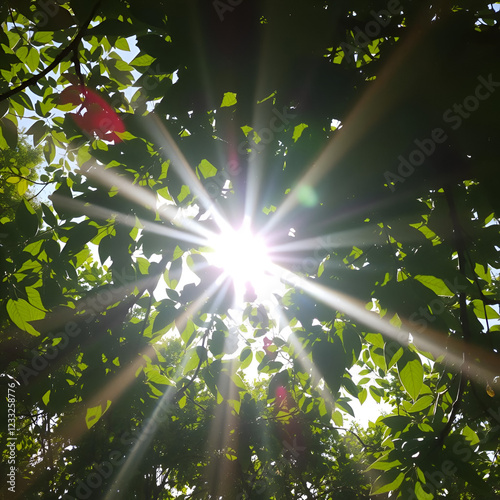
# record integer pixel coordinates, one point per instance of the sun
(244, 258)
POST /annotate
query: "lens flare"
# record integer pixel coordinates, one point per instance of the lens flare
(244, 258)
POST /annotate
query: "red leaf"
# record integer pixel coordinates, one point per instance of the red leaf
(96, 116)
(267, 343)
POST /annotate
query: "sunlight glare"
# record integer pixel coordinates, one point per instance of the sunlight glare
(243, 256)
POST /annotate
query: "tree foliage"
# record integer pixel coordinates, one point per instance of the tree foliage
(18, 171)
(361, 139)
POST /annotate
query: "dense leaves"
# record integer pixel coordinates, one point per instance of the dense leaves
(360, 139)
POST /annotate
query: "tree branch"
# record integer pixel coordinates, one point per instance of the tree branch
(25, 178)
(365, 445)
(464, 319)
(490, 302)
(454, 410)
(72, 46)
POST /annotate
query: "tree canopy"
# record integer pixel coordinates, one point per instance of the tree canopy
(357, 142)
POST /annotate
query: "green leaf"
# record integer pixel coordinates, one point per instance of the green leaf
(470, 435)
(207, 169)
(383, 464)
(363, 394)
(338, 418)
(93, 415)
(297, 131)
(43, 37)
(33, 59)
(166, 316)
(154, 45)
(396, 422)
(4, 108)
(49, 150)
(174, 273)
(216, 343)
(482, 311)
(392, 352)
(154, 376)
(188, 333)
(411, 373)
(192, 361)
(329, 358)
(53, 20)
(46, 398)
(122, 44)
(142, 60)
(421, 404)
(377, 355)
(34, 298)
(48, 216)
(421, 494)
(375, 339)
(38, 131)
(388, 481)
(182, 402)
(246, 357)
(350, 387)
(143, 265)
(342, 403)
(435, 284)
(78, 237)
(9, 132)
(229, 99)
(26, 219)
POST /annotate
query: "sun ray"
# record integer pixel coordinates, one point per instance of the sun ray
(173, 153)
(75, 428)
(306, 363)
(327, 242)
(223, 435)
(129, 220)
(141, 445)
(198, 303)
(432, 341)
(150, 428)
(377, 101)
(144, 198)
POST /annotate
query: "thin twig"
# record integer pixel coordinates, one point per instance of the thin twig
(365, 445)
(12, 174)
(67, 50)
(36, 194)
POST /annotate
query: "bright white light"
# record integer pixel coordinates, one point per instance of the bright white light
(243, 256)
